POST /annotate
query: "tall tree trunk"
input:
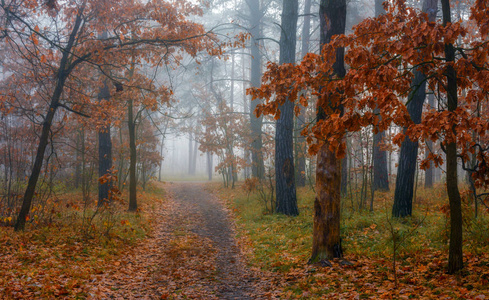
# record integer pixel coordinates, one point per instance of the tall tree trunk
(231, 98)
(193, 167)
(131, 123)
(104, 153)
(403, 195)
(209, 166)
(258, 166)
(455, 254)
(84, 179)
(326, 242)
(428, 178)
(381, 175)
(300, 141)
(64, 69)
(76, 182)
(190, 154)
(284, 143)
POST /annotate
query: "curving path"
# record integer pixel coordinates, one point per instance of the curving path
(192, 255)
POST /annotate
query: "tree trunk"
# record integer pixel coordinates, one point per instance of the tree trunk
(62, 75)
(209, 166)
(190, 154)
(403, 195)
(326, 242)
(258, 166)
(379, 8)
(300, 141)
(131, 122)
(284, 143)
(381, 174)
(104, 153)
(428, 178)
(194, 159)
(455, 254)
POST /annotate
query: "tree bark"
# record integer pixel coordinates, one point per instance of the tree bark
(209, 166)
(455, 254)
(300, 141)
(131, 122)
(381, 174)
(258, 166)
(326, 227)
(284, 143)
(104, 153)
(428, 178)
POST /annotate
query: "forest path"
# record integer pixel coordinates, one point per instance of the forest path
(207, 219)
(192, 254)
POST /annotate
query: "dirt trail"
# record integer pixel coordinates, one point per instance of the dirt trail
(233, 280)
(193, 254)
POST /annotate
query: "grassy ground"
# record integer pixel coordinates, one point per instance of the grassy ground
(282, 245)
(66, 245)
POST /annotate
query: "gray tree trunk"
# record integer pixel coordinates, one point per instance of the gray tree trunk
(300, 141)
(284, 143)
(381, 174)
(428, 179)
(104, 153)
(258, 166)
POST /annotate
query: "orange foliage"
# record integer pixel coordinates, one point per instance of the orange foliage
(383, 53)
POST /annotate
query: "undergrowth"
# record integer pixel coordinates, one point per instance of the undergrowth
(58, 255)
(283, 244)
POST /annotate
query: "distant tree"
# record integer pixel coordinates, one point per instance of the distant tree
(74, 50)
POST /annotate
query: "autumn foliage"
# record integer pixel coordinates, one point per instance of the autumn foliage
(382, 54)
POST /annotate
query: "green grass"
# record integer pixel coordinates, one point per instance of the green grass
(280, 243)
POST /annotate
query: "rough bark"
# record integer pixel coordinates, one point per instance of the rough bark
(326, 227)
(258, 166)
(104, 164)
(300, 141)
(64, 69)
(403, 195)
(284, 143)
(455, 254)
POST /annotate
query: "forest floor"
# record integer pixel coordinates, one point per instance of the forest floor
(416, 269)
(191, 254)
(195, 240)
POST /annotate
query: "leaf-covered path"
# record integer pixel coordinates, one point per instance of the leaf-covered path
(192, 254)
